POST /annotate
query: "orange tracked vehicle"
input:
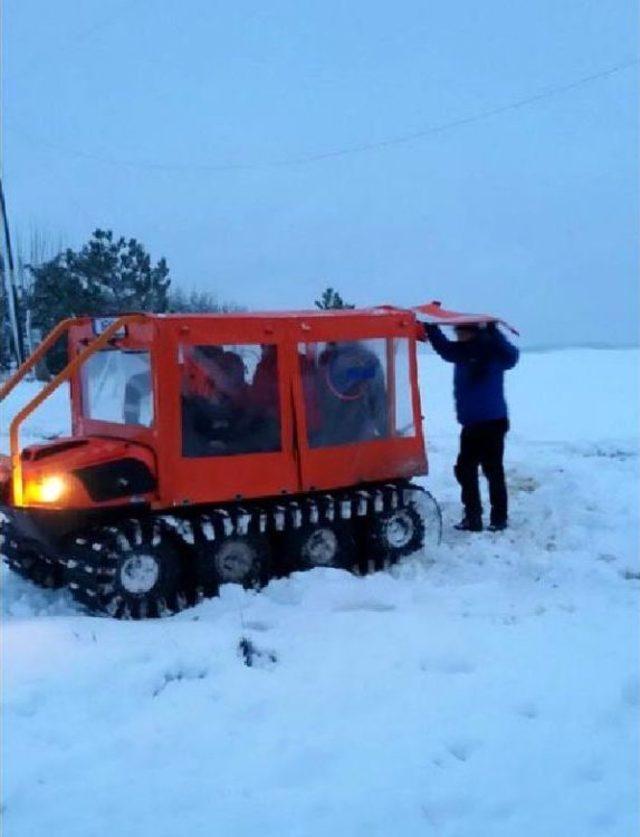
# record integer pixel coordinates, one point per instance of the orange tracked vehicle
(219, 448)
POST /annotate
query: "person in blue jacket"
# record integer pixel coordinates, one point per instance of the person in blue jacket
(481, 356)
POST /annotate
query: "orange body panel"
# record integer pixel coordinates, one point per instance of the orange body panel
(62, 457)
(295, 468)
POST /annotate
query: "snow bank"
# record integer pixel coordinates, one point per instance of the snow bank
(52, 418)
(491, 688)
(572, 395)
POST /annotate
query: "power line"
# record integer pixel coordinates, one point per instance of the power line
(316, 157)
(477, 117)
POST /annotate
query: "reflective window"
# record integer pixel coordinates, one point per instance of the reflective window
(230, 399)
(116, 387)
(356, 391)
(403, 420)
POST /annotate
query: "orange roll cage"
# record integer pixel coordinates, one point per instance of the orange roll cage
(59, 331)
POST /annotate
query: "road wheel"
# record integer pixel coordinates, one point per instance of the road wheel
(235, 559)
(326, 544)
(134, 570)
(395, 534)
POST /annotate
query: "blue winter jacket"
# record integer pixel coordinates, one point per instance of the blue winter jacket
(478, 380)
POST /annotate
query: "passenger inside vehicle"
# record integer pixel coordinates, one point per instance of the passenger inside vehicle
(263, 419)
(222, 414)
(137, 397)
(350, 396)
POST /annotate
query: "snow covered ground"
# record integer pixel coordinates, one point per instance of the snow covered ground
(490, 688)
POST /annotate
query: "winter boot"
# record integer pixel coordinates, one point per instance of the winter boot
(497, 525)
(469, 523)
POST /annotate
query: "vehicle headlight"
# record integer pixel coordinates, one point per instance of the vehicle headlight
(47, 490)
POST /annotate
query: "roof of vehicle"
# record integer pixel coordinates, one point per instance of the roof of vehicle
(287, 314)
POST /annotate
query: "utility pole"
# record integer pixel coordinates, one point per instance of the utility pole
(10, 283)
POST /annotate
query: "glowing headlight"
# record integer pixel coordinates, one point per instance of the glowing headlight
(48, 490)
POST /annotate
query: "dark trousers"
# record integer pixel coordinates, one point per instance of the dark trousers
(482, 445)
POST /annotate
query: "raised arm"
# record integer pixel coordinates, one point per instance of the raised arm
(506, 351)
(447, 349)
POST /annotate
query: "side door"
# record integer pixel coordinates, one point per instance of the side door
(356, 400)
(229, 431)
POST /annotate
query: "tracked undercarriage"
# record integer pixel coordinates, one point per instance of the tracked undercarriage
(214, 448)
(153, 565)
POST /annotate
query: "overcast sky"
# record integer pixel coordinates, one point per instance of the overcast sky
(189, 126)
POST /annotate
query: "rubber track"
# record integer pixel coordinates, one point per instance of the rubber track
(91, 580)
(32, 563)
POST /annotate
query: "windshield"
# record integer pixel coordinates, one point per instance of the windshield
(116, 387)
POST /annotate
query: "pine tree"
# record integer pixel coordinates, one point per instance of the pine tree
(331, 299)
(197, 302)
(106, 277)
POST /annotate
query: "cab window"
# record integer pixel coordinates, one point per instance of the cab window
(356, 390)
(116, 387)
(230, 399)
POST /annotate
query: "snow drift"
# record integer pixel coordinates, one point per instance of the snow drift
(488, 688)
